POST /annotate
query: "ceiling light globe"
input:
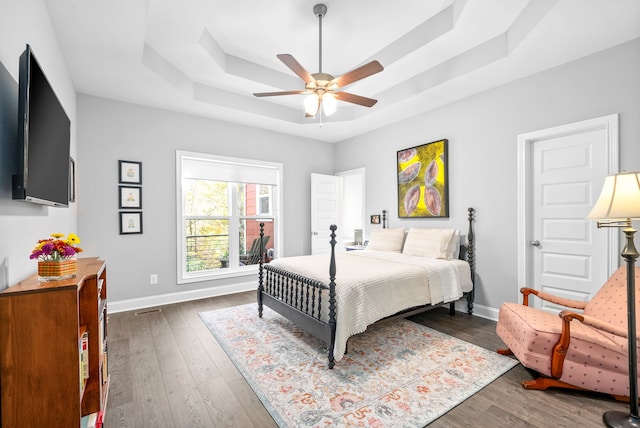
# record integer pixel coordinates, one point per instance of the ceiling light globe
(311, 104)
(329, 104)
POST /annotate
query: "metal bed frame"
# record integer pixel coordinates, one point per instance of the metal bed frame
(300, 299)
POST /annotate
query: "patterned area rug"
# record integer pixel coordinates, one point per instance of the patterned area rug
(397, 374)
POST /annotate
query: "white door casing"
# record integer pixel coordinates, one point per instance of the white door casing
(325, 211)
(560, 173)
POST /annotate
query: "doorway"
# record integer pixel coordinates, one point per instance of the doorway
(560, 173)
(352, 217)
(336, 199)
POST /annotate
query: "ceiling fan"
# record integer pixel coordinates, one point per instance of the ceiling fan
(322, 88)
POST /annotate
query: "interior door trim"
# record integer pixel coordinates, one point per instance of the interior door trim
(525, 192)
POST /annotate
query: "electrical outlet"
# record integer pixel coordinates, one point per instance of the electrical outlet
(153, 278)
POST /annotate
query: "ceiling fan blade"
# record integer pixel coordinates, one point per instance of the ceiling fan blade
(361, 72)
(272, 94)
(355, 99)
(295, 66)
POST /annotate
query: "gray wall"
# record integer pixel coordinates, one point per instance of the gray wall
(23, 223)
(109, 131)
(482, 131)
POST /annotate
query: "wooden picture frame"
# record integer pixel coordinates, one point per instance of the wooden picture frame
(129, 172)
(423, 183)
(130, 222)
(130, 197)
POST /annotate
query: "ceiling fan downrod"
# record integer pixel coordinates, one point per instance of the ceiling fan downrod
(320, 10)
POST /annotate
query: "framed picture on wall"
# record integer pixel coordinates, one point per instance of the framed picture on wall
(130, 197)
(130, 223)
(130, 172)
(423, 183)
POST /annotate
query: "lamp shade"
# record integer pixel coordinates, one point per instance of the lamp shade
(619, 199)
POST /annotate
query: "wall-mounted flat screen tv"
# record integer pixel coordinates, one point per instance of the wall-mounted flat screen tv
(43, 139)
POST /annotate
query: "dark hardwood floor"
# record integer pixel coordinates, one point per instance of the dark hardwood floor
(167, 370)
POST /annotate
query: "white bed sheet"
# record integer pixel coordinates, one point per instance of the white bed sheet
(371, 285)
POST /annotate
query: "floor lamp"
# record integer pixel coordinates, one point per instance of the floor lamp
(617, 205)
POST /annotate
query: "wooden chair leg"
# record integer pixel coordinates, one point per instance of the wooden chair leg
(542, 383)
(623, 398)
(504, 351)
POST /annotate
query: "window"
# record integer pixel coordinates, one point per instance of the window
(263, 199)
(221, 203)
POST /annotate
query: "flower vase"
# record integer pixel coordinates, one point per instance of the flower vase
(50, 270)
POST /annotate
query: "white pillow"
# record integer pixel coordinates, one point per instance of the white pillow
(432, 243)
(386, 240)
(453, 251)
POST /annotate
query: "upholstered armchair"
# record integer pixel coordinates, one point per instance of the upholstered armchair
(581, 348)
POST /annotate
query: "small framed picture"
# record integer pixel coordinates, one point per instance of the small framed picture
(130, 172)
(130, 223)
(72, 180)
(375, 219)
(130, 197)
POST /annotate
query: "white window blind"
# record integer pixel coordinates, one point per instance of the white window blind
(229, 169)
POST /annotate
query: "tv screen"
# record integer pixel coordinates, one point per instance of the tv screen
(43, 139)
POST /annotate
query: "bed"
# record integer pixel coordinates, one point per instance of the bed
(337, 295)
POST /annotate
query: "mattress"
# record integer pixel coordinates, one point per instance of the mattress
(371, 285)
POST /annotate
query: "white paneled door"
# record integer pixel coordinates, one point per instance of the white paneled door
(563, 253)
(325, 210)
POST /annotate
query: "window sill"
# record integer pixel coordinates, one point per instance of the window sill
(245, 271)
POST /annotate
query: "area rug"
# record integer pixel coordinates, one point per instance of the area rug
(396, 374)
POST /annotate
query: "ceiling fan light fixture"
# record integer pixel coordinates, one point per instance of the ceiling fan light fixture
(329, 104)
(323, 88)
(311, 104)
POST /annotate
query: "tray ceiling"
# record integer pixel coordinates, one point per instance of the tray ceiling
(207, 58)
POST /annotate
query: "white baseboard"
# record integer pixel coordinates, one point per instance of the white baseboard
(478, 310)
(183, 296)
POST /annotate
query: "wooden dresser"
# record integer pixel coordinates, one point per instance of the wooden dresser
(53, 349)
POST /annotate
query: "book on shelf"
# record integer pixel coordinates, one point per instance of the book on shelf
(83, 356)
(94, 420)
(105, 369)
(101, 337)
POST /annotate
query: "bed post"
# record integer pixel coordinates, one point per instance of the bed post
(260, 260)
(332, 295)
(471, 259)
(384, 219)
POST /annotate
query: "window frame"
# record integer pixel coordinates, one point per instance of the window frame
(273, 168)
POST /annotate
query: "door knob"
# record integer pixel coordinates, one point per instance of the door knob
(314, 233)
(535, 243)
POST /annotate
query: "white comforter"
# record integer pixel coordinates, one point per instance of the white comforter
(371, 285)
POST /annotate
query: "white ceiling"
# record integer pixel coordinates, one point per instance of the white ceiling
(207, 57)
